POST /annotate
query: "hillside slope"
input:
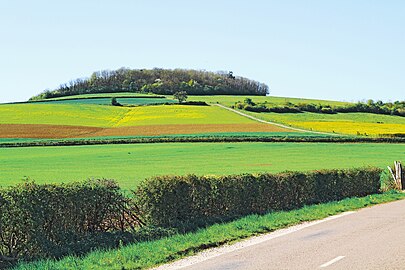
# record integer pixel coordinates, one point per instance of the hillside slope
(41, 120)
(92, 115)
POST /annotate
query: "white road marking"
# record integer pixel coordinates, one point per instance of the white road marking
(338, 258)
(215, 252)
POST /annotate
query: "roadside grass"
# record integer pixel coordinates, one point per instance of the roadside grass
(149, 254)
(131, 163)
(344, 123)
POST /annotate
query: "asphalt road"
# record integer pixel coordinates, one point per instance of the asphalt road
(372, 238)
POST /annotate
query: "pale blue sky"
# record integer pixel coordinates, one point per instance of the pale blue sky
(343, 50)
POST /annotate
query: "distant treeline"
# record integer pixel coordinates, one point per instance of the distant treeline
(378, 107)
(159, 81)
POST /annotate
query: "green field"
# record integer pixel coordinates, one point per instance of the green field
(129, 164)
(226, 100)
(107, 101)
(271, 100)
(105, 95)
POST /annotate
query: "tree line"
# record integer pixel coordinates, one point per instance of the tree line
(159, 81)
(376, 107)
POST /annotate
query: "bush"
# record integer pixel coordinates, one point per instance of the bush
(191, 201)
(55, 220)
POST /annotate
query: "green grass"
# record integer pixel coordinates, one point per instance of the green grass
(129, 164)
(344, 123)
(148, 254)
(112, 116)
(271, 100)
(107, 101)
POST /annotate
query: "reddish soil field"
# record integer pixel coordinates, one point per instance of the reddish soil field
(60, 131)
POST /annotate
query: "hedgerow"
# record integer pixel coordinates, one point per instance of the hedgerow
(209, 138)
(396, 108)
(189, 201)
(55, 220)
(52, 221)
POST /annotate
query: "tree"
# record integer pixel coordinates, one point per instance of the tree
(180, 96)
(114, 102)
(249, 101)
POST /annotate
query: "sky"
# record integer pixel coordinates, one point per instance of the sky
(339, 50)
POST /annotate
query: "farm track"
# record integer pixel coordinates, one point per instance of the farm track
(276, 124)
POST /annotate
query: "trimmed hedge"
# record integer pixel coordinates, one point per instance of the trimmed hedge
(42, 221)
(190, 201)
(55, 220)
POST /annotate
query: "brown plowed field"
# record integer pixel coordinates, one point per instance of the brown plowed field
(189, 129)
(59, 131)
(45, 131)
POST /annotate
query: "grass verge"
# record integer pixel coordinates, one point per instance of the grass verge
(148, 254)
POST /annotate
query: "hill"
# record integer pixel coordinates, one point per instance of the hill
(54, 120)
(159, 81)
(91, 115)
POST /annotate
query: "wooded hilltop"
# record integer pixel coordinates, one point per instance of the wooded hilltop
(159, 81)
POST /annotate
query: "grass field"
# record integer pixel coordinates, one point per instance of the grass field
(105, 95)
(225, 100)
(271, 100)
(130, 164)
(345, 123)
(107, 101)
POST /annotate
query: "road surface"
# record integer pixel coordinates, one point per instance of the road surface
(371, 238)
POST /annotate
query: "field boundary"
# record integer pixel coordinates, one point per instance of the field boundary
(201, 139)
(276, 124)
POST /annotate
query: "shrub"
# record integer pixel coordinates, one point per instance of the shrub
(55, 220)
(114, 102)
(191, 201)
